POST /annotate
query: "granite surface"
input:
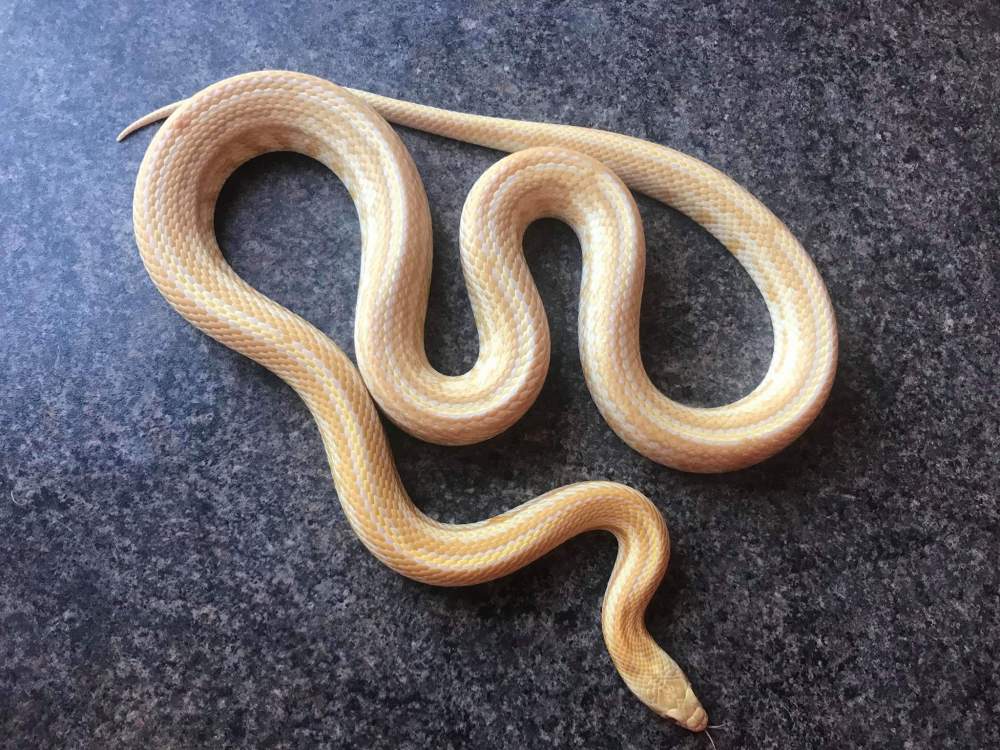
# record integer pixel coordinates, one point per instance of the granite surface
(175, 570)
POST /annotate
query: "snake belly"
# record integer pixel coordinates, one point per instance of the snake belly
(579, 175)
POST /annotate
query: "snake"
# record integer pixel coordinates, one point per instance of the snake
(581, 176)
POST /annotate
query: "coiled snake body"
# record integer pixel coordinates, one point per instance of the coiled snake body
(578, 175)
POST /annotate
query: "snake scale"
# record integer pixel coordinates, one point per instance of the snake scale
(578, 175)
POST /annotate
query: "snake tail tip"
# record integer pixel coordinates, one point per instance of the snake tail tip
(155, 116)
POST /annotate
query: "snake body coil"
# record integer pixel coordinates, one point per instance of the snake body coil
(578, 175)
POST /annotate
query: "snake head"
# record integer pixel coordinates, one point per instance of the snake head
(689, 713)
(662, 686)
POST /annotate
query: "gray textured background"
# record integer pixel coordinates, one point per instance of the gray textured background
(175, 570)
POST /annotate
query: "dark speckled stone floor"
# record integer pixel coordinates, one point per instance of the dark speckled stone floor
(175, 570)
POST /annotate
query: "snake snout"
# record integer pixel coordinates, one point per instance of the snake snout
(696, 722)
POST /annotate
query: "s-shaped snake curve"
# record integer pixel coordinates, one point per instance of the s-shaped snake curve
(578, 175)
